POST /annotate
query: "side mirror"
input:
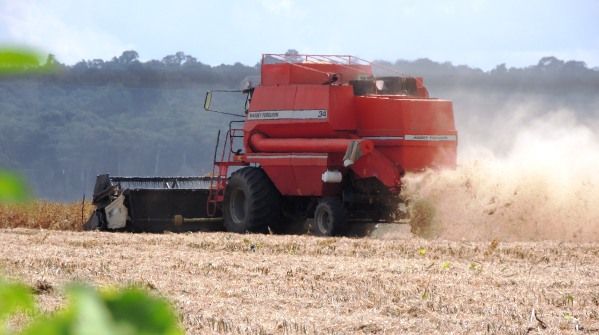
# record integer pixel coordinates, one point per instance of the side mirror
(208, 101)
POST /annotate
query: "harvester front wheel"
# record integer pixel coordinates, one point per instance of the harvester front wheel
(330, 217)
(251, 203)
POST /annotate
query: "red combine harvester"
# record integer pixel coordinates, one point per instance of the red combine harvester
(322, 138)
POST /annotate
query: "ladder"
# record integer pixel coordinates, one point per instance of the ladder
(220, 169)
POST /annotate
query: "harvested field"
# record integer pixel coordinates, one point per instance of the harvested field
(259, 284)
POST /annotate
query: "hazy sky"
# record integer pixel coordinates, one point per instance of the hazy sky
(481, 33)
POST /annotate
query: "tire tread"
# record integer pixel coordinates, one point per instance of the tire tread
(263, 197)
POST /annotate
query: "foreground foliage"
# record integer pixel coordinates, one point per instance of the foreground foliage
(88, 312)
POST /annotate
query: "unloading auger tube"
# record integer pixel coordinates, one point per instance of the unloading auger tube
(322, 141)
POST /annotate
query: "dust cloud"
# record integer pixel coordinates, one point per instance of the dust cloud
(543, 185)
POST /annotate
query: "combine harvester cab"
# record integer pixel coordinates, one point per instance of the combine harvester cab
(323, 138)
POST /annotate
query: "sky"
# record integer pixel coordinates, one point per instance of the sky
(478, 33)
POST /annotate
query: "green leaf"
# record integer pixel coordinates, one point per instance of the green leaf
(56, 324)
(13, 188)
(15, 57)
(146, 314)
(116, 312)
(17, 60)
(85, 314)
(14, 298)
(91, 315)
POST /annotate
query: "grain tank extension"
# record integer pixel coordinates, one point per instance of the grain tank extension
(323, 138)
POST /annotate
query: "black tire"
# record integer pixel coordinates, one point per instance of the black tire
(252, 203)
(330, 217)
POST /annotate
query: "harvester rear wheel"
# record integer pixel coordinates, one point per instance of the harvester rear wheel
(330, 217)
(251, 203)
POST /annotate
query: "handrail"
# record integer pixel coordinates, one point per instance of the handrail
(341, 60)
(314, 59)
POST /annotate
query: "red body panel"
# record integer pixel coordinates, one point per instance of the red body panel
(400, 126)
(310, 73)
(336, 101)
(300, 124)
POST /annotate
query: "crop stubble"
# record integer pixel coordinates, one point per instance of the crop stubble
(260, 284)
